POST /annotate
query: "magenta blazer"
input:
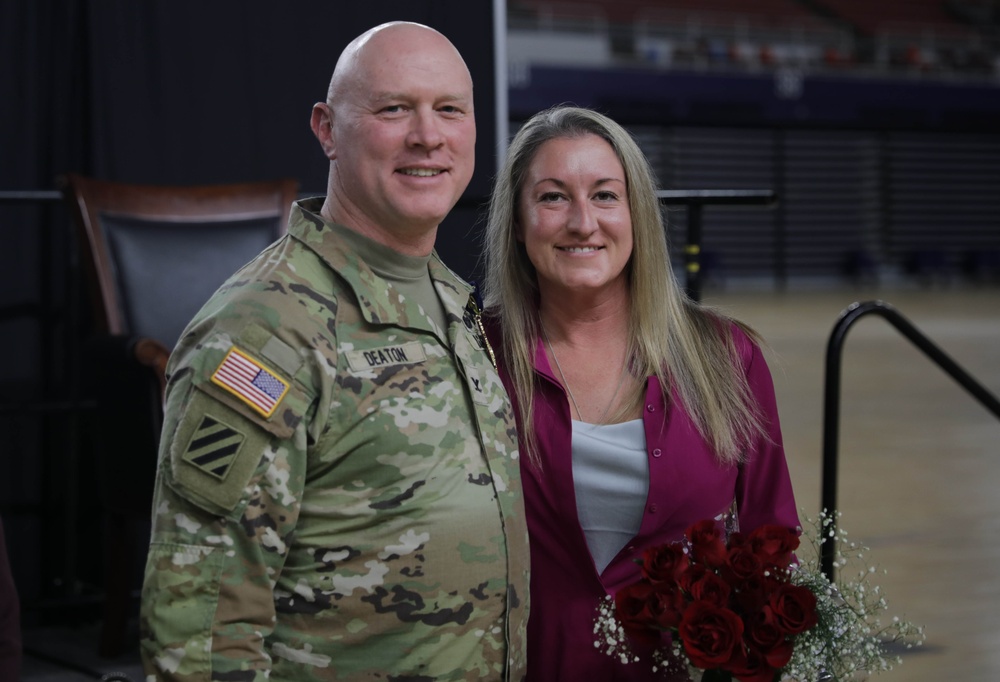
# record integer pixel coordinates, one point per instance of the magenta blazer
(686, 484)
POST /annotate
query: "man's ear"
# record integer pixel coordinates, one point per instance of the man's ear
(321, 123)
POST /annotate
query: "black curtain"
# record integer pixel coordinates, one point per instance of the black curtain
(193, 92)
(161, 92)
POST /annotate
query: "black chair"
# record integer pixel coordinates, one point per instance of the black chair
(153, 255)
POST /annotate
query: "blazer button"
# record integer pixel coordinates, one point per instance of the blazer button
(652, 508)
(650, 408)
(657, 452)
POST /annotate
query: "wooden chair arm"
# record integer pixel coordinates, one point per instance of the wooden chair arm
(153, 354)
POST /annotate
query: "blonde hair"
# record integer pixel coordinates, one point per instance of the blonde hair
(688, 346)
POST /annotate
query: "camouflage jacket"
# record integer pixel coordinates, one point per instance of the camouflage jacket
(338, 494)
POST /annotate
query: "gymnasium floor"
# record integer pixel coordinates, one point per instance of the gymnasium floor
(919, 474)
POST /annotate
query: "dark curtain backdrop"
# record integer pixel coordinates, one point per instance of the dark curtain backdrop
(161, 92)
(193, 92)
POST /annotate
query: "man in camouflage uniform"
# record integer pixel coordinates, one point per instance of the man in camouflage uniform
(338, 494)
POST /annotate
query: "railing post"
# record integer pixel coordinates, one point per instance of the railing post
(831, 429)
(692, 253)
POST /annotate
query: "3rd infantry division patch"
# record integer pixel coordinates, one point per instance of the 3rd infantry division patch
(213, 447)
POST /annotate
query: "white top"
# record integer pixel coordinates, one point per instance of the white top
(611, 479)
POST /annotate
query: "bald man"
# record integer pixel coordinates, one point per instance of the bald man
(338, 495)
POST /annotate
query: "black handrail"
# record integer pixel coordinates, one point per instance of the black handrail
(831, 399)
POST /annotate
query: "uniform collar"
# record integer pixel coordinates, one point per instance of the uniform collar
(377, 298)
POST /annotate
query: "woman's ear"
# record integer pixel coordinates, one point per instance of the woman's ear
(321, 123)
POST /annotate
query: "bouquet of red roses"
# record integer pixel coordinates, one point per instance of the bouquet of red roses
(732, 608)
(743, 608)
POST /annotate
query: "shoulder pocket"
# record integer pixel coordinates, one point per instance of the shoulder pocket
(214, 453)
(242, 402)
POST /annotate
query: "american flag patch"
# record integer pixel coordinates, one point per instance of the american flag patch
(251, 382)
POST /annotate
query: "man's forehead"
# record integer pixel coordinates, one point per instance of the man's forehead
(392, 59)
(402, 79)
(451, 95)
(399, 42)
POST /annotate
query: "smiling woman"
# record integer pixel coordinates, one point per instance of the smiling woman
(639, 410)
(575, 223)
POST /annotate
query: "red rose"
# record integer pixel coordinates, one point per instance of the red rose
(707, 544)
(664, 563)
(755, 592)
(711, 635)
(762, 632)
(774, 545)
(632, 608)
(711, 588)
(764, 635)
(688, 578)
(741, 564)
(753, 667)
(779, 655)
(666, 605)
(794, 608)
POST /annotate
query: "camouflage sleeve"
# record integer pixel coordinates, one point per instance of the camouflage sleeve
(228, 491)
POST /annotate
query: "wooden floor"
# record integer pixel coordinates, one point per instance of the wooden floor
(919, 475)
(919, 460)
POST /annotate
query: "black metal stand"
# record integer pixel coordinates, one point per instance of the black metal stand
(695, 200)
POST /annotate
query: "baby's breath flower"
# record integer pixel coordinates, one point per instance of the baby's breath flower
(849, 638)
